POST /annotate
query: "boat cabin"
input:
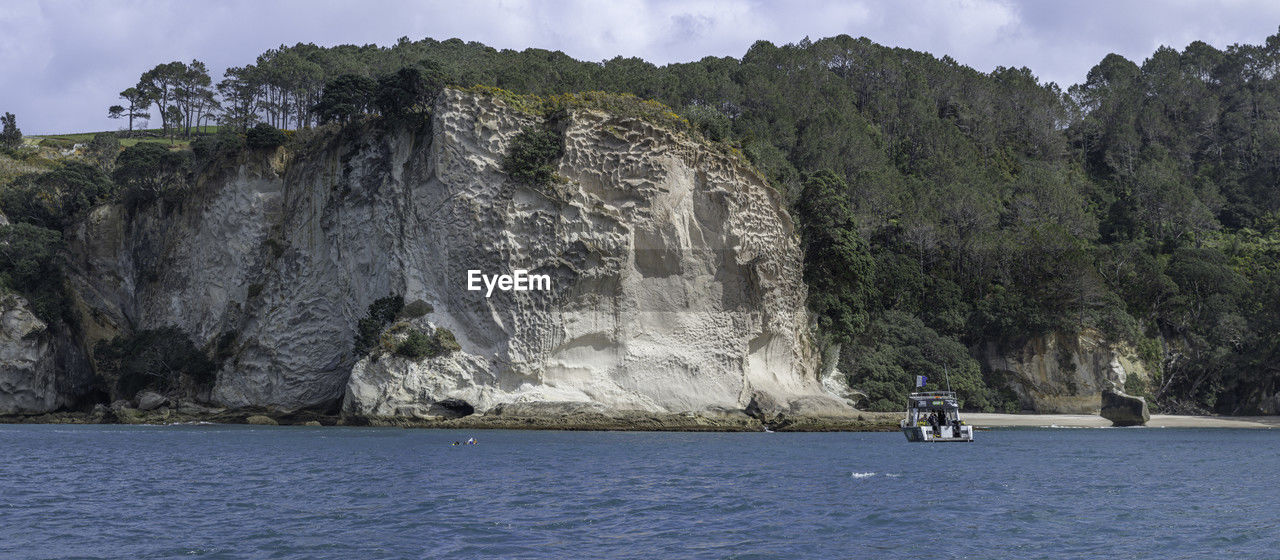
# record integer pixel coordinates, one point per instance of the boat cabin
(935, 416)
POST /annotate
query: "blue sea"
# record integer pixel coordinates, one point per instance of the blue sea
(210, 491)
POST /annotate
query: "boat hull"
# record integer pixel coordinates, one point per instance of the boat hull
(946, 434)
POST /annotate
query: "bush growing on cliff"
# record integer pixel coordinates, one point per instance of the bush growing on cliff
(898, 347)
(264, 137)
(224, 144)
(419, 345)
(407, 91)
(711, 123)
(147, 171)
(54, 198)
(157, 359)
(369, 329)
(837, 264)
(30, 265)
(344, 98)
(532, 155)
(103, 150)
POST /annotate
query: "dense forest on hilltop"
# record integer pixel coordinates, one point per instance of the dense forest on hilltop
(943, 210)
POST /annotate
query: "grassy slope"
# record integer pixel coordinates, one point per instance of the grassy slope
(151, 135)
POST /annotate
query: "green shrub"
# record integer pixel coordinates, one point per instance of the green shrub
(344, 98)
(57, 143)
(407, 91)
(217, 146)
(103, 149)
(155, 359)
(619, 105)
(52, 199)
(369, 329)
(446, 341)
(418, 345)
(147, 171)
(838, 267)
(29, 265)
(532, 153)
(899, 346)
(713, 124)
(264, 136)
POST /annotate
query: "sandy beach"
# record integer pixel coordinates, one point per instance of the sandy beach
(1095, 421)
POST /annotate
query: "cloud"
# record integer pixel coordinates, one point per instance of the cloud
(62, 62)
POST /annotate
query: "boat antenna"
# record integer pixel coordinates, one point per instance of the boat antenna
(946, 376)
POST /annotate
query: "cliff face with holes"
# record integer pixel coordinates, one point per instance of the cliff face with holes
(1061, 373)
(675, 273)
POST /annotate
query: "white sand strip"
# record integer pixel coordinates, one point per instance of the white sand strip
(1095, 421)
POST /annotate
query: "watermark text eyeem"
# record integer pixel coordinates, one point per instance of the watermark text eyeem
(518, 281)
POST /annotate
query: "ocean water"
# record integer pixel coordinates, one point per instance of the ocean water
(291, 492)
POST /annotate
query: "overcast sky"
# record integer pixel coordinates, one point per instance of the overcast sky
(63, 62)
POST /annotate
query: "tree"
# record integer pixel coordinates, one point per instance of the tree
(10, 137)
(407, 91)
(837, 265)
(898, 346)
(138, 102)
(103, 149)
(369, 329)
(173, 116)
(52, 199)
(239, 90)
(115, 112)
(29, 264)
(264, 136)
(344, 98)
(192, 94)
(163, 359)
(159, 85)
(532, 155)
(147, 170)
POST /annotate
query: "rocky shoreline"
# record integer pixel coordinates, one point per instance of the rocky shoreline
(726, 421)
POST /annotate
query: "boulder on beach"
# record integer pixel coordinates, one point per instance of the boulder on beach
(148, 400)
(260, 420)
(1123, 409)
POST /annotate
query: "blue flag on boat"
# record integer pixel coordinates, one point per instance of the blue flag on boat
(920, 379)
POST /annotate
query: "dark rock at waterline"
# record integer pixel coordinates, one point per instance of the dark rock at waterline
(763, 407)
(1124, 410)
(261, 420)
(148, 400)
(452, 408)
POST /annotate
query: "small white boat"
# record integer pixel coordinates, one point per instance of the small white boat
(935, 416)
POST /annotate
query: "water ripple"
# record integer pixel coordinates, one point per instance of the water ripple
(205, 491)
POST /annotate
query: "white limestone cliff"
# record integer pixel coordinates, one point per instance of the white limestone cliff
(675, 270)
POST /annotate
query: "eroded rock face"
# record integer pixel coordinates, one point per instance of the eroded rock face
(1063, 374)
(41, 369)
(26, 360)
(675, 272)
